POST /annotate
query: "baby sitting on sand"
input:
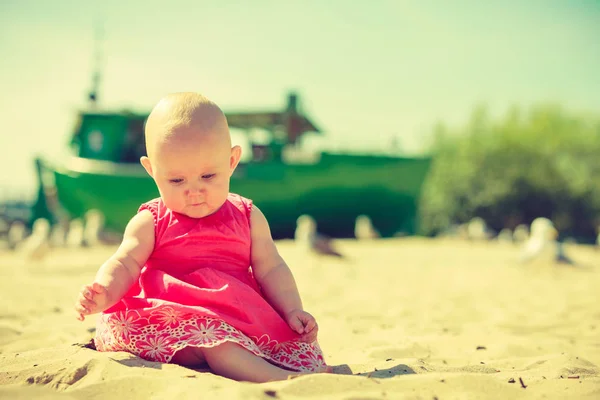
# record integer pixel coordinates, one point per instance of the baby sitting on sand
(198, 279)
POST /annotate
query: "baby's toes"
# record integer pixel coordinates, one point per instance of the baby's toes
(327, 369)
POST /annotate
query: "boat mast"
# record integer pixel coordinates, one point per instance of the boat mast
(97, 60)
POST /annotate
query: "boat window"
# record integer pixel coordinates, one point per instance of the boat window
(265, 147)
(134, 145)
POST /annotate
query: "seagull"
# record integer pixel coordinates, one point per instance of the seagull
(452, 231)
(307, 237)
(505, 236)
(36, 245)
(561, 257)
(75, 233)
(364, 229)
(16, 234)
(521, 233)
(4, 226)
(477, 229)
(542, 243)
(58, 235)
(94, 222)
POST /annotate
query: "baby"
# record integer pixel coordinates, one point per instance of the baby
(198, 279)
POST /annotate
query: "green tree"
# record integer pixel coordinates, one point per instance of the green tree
(542, 162)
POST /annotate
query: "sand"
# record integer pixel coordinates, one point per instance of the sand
(404, 318)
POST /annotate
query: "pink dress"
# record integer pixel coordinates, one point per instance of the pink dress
(197, 289)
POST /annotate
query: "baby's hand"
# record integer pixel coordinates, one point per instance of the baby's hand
(303, 323)
(92, 299)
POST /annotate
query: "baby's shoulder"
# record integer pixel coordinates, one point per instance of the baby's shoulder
(241, 203)
(141, 226)
(154, 203)
(155, 206)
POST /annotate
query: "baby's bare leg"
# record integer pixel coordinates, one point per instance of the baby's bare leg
(233, 361)
(190, 357)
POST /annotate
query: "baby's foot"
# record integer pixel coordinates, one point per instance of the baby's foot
(323, 370)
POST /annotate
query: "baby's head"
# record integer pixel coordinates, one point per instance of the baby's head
(189, 153)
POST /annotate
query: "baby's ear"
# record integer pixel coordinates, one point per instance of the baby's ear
(147, 165)
(234, 159)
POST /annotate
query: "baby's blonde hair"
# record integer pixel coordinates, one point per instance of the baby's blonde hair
(177, 111)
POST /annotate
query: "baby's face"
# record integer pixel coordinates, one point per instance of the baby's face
(193, 175)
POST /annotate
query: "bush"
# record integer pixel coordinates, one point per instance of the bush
(542, 163)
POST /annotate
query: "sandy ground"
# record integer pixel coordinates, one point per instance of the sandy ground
(399, 319)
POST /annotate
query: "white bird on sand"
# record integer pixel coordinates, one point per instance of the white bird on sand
(452, 231)
(477, 229)
(542, 243)
(521, 233)
(307, 237)
(75, 233)
(462, 231)
(505, 236)
(58, 234)
(560, 256)
(4, 226)
(36, 245)
(94, 222)
(16, 234)
(364, 229)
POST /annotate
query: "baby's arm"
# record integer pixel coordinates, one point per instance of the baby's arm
(276, 279)
(121, 271)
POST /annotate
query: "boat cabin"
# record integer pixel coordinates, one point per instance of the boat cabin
(119, 136)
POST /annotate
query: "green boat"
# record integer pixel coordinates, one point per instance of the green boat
(102, 171)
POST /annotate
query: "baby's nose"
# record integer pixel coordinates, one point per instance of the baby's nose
(195, 190)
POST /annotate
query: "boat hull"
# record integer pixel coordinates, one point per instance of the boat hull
(333, 191)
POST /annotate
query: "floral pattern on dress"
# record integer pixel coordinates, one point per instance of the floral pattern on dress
(166, 317)
(123, 326)
(158, 335)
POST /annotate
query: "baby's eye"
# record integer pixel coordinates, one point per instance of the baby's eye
(176, 180)
(208, 176)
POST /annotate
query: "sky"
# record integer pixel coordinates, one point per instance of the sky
(366, 72)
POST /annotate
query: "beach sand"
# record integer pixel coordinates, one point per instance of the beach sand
(407, 318)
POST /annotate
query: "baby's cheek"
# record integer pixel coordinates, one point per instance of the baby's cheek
(222, 190)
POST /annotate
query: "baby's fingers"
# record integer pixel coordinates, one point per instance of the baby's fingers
(86, 301)
(80, 316)
(309, 324)
(98, 288)
(309, 337)
(297, 325)
(86, 304)
(86, 292)
(81, 310)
